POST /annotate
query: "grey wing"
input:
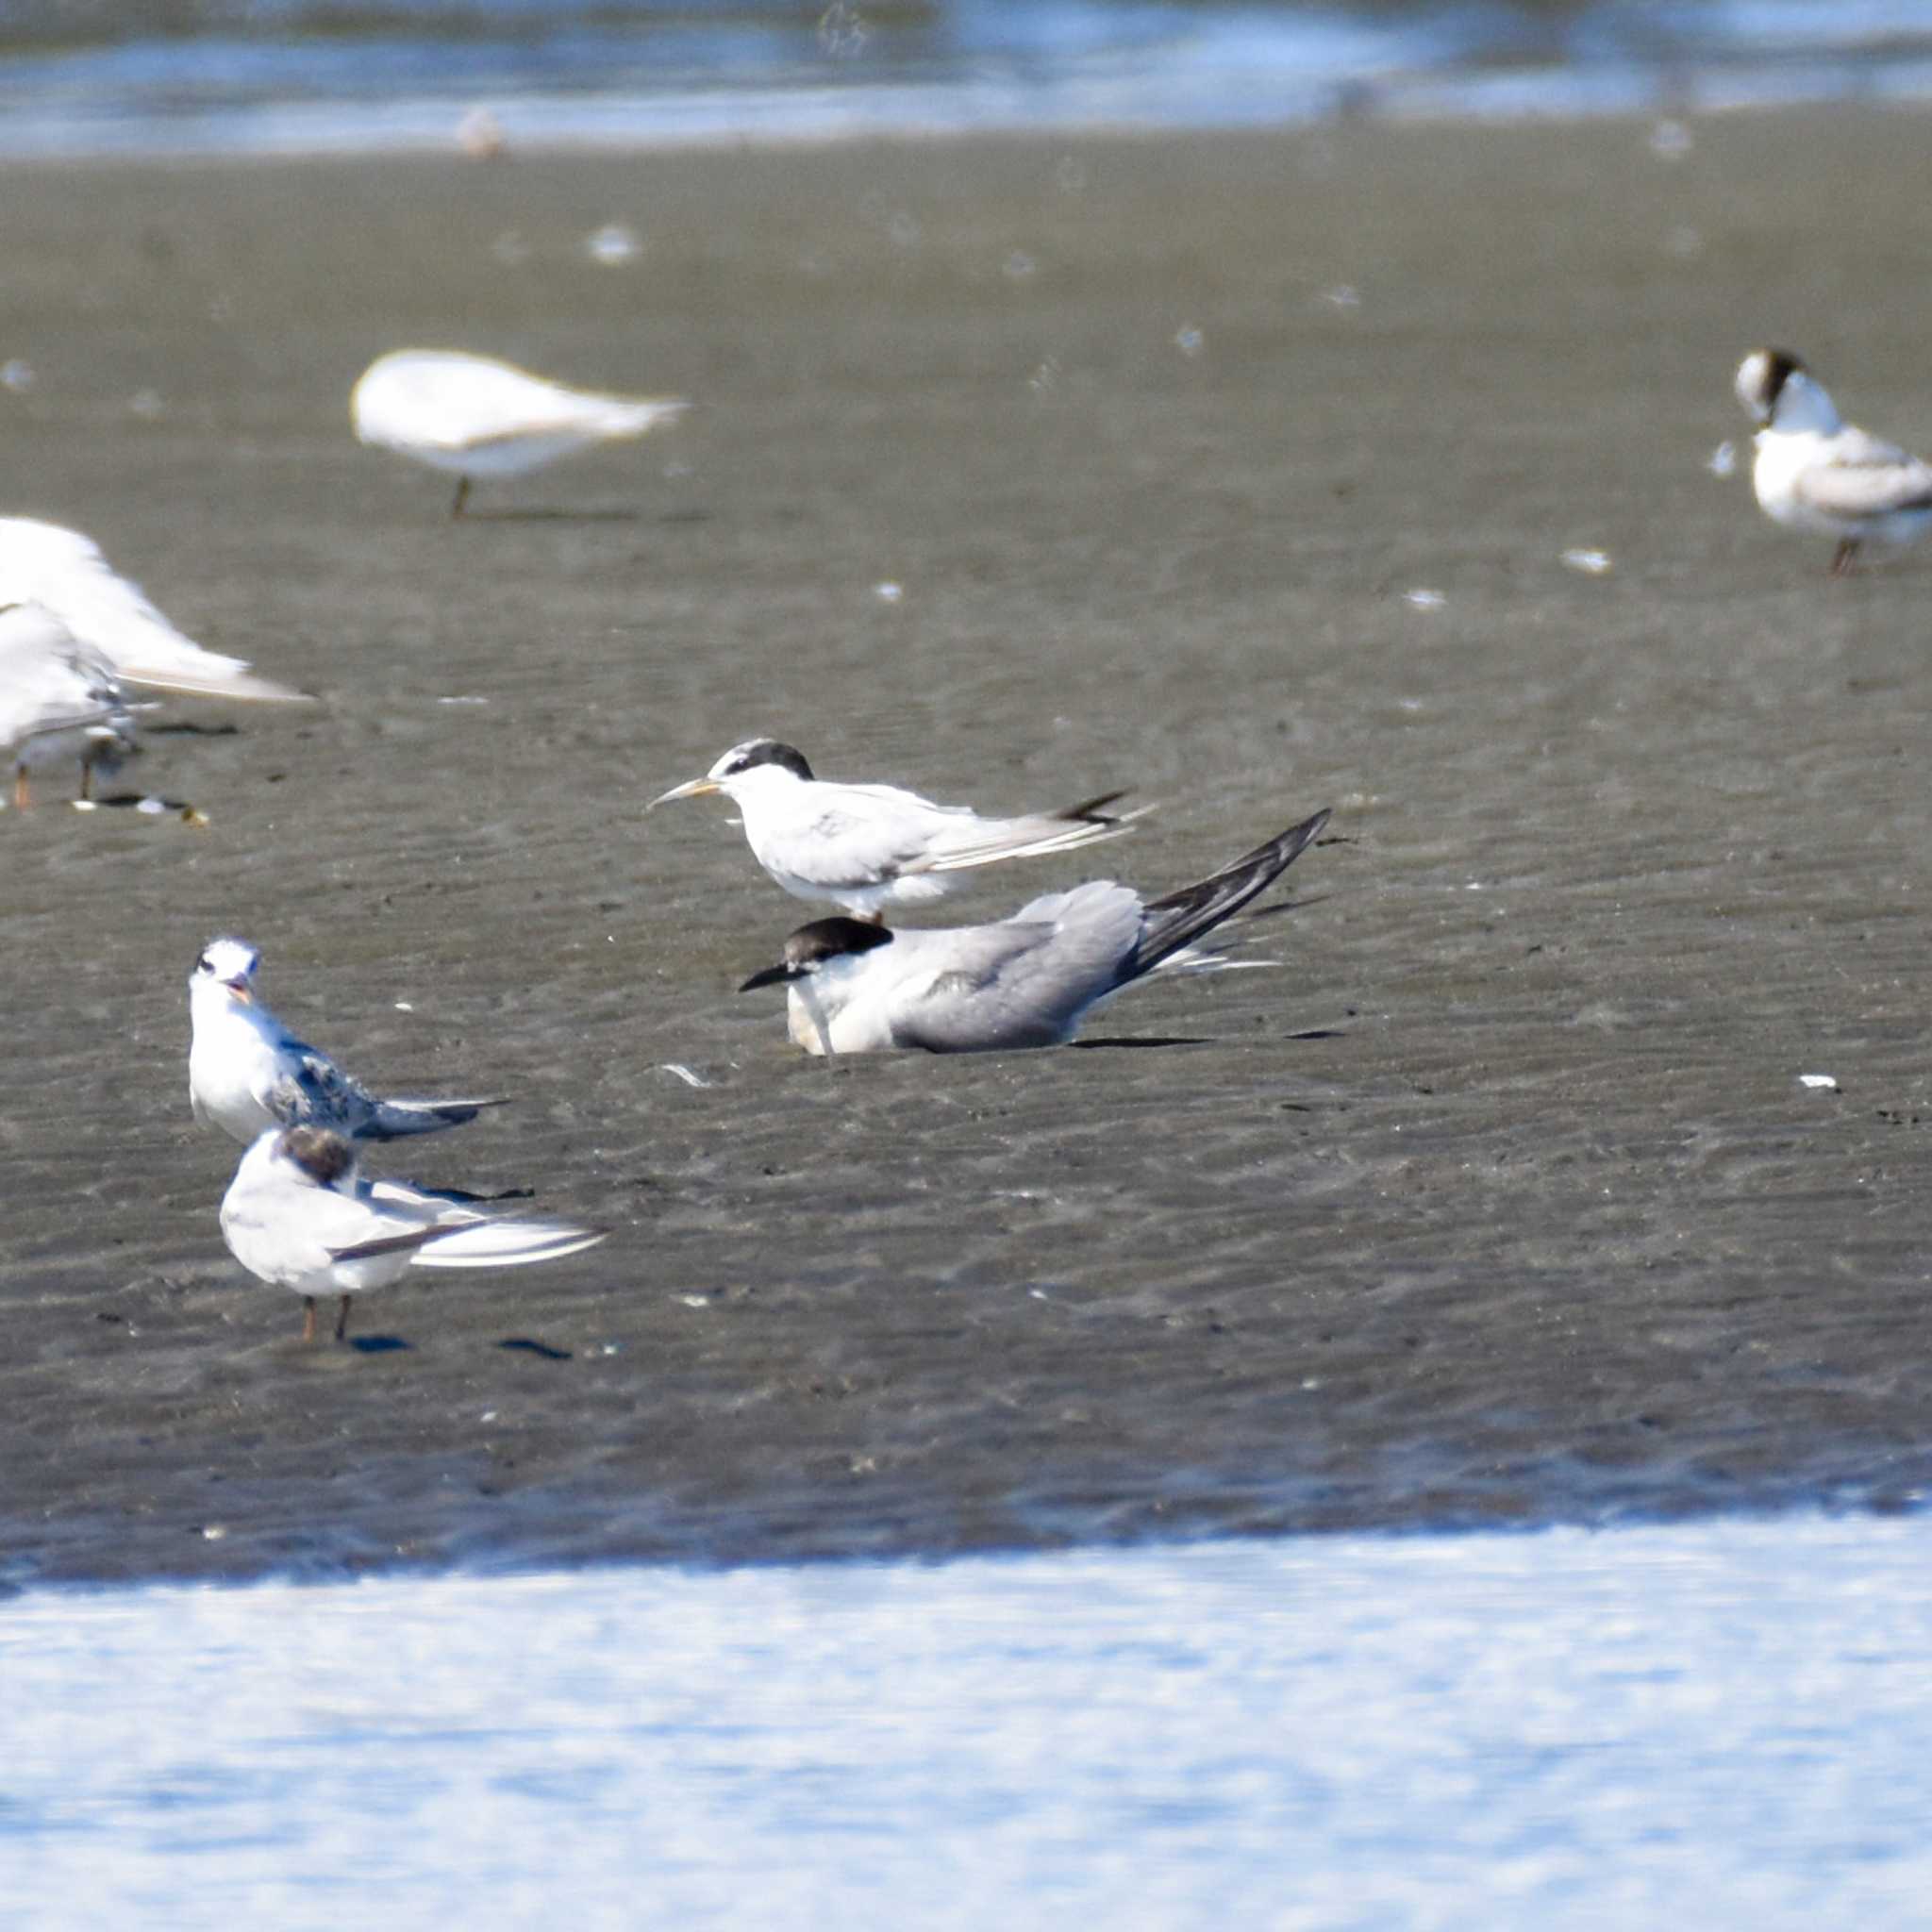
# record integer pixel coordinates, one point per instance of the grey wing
(1866, 478)
(864, 836)
(310, 1091)
(1025, 981)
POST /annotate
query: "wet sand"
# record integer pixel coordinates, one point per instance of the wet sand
(1500, 1200)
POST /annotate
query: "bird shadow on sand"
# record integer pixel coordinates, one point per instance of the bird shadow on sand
(463, 1197)
(1275, 908)
(378, 1345)
(1136, 1041)
(549, 516)
(188, 728)
(558, 515)
(150, 805)
(523, 1344)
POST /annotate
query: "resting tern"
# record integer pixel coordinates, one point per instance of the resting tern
(43, 563)
(299, 1215)
(866, 847)
(1816, 472)
(475, 416)
(247, 1073)
(59, 699)
(1024, 981)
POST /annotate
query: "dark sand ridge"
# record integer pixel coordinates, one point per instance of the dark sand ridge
(1500, 1201)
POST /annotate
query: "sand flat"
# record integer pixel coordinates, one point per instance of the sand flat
(1499, 1200)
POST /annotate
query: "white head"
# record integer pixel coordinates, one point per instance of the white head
(224, 975)
(759, 764)
(1780, 393)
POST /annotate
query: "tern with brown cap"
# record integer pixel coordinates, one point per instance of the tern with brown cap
(299, 1215)
(1816, 472)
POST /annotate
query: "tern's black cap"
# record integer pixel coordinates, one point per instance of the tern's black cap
(762, 751)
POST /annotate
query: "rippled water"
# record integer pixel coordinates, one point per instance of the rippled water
(1714, 1724)
(311, 76)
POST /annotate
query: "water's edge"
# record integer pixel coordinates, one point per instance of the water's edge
(542, 77)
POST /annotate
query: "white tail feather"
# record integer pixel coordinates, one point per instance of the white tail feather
(506, 1244)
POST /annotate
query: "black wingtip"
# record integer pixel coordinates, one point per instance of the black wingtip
(1183, 916)
(1092, 812)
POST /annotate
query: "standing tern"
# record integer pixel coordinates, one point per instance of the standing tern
(59, 699)
(866, 847)
(43, 563)
(1816, 472)
(474, 416)
(299, 1215)
(1024, 981)
(247, 1073)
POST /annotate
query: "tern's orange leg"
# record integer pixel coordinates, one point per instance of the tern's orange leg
(307, 1318)
(342, 1319)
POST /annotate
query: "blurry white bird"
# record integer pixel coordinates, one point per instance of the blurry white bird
(866, 847)
(1816, 472)
(475, 416)
(58, 700)
(1024, 981)
(247, 1073)
(43, 563)
(299, 1215)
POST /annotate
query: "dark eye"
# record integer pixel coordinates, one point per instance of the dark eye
(204, 965)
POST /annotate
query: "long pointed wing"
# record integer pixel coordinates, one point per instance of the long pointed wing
(66, 572)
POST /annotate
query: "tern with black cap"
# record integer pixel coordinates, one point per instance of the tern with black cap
(868, 848)
(300, 1215)
(858, 987)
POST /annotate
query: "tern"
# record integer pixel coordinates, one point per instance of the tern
(43, 563)
(247, 1073)
(474, 416)
(299, 1215)
(866, 847)
(1024, 981)
(59, 699)
(1816, 472)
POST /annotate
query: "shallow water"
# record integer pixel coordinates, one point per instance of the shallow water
(1717, 1725)
(295, 77)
